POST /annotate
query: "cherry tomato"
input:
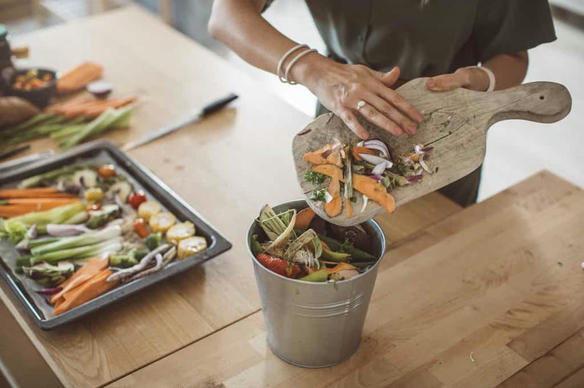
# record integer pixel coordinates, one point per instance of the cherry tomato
(136, 199)
(140, 228)
(278, 265)
(107, 171)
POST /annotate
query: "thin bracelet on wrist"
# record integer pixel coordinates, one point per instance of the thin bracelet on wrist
(491, 75)
(293, 62)
(283, 59)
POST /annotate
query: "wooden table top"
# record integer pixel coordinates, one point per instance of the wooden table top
(484, 283)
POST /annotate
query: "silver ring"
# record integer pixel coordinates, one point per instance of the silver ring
(360, 104)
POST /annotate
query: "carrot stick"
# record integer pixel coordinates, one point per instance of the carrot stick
(98, 110)
(92, 109)
(9, 211)
(47, 201)
(79, 77)
(86, 291)
(36, 192)
(90, 268)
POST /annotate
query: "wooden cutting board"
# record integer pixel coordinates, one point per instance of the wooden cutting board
(455, 124)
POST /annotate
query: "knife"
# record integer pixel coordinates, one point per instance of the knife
(14, 151)
(207, 110)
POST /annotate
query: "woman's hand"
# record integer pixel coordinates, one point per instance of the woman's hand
(340, 88)
(466, 77)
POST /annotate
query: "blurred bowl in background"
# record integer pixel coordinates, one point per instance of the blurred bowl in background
(36, 85)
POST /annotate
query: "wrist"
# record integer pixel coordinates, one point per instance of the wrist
(309, 69)
(477, 79)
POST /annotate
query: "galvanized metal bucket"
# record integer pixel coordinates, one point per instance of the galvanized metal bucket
(315, 325)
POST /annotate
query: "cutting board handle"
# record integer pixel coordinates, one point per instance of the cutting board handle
(542, 102)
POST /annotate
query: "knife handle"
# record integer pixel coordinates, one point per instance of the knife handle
(218, 104)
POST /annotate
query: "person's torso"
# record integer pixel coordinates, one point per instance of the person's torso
(423, 39)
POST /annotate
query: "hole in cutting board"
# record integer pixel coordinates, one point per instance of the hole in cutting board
(541, 97)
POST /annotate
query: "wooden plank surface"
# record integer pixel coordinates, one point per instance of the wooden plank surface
(451, 304)
(19, 359)
(213, 165)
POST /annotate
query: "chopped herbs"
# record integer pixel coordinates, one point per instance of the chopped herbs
(314, 177)
(402, 168)
(318, 195)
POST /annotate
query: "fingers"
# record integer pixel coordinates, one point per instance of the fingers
(398, 119)
(446, 82)
(376, 117)
(379, 112)
(351, 121)
(404, 107)
(390, 78)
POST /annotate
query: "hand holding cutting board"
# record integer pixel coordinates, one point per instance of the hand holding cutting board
(454, 123)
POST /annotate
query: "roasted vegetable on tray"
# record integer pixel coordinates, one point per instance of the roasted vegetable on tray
(83, 229)
(300, 245)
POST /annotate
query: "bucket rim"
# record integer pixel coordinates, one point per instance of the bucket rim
(371, 222)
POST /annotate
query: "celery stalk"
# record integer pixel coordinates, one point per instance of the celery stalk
(108, 119)
(84, 239)
(94, 250)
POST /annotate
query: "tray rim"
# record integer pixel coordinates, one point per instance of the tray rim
(218, 243)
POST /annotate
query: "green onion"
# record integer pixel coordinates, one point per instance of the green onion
(108, 119)
(84, 239)
(94, 250)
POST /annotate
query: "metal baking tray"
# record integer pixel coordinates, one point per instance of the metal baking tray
(141, 178)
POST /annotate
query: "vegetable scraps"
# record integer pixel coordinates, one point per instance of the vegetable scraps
(83, 229)
(367, 168)
(291, 248)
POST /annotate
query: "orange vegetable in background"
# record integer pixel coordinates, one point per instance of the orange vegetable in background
(140, 228)
(19, 206)
(107, 171)
(78, 77)
(88, 108)
(37, 192)
(84, 292)
(90, 268)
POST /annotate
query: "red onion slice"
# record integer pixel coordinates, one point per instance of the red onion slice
(379, 169)
(414, 179)
(49, 291)
(58, 230)
(373, 159)
(377, 145)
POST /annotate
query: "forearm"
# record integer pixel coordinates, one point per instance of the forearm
(239, 24)
(509, 70)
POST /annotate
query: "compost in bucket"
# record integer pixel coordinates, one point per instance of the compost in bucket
(315, 282)
(298, 244)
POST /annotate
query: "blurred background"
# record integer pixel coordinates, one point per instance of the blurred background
(516, 149)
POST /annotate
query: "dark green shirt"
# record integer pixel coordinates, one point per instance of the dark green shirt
(430, 39)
